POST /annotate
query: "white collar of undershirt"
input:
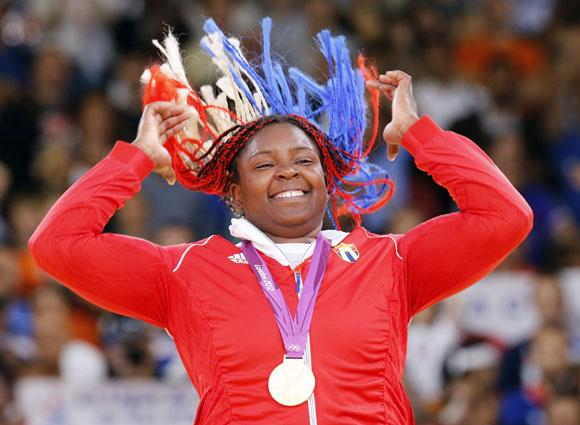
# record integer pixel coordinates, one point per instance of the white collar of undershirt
(241, 228)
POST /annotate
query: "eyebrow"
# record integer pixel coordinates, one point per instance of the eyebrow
(299, 148)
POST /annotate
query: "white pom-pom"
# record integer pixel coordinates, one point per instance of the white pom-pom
(167, 71)
(170, 49)
(145, 77)
(182, 96)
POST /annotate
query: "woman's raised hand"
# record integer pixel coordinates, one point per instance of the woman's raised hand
(159, 122)
(397, 86)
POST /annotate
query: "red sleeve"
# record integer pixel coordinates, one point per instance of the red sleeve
(448, 253)
(119, 273)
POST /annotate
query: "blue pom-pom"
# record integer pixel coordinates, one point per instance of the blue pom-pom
(337, 107)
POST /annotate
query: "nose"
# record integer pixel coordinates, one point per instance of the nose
(287, 171)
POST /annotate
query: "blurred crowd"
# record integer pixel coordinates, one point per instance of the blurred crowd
(505, 73)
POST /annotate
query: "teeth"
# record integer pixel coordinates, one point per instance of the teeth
(289, 194)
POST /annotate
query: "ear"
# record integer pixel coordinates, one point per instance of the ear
(235, 197)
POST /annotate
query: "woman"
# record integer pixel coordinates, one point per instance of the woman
(340, 342)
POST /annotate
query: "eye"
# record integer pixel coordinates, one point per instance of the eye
(304, 161)
(263, 166)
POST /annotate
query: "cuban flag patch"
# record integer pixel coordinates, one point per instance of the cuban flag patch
(347, 252)
(238, 259)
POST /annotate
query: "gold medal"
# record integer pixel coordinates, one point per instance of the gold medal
(292, 382)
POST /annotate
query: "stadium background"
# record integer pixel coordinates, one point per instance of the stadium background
(506, 73)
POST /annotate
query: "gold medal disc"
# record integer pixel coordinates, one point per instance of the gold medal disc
(292, 382)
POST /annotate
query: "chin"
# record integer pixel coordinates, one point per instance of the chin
(299, 220)
(288, 225)
(297, 223)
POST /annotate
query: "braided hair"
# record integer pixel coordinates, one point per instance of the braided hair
(222, 170)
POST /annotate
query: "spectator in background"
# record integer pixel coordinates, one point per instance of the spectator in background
(291, 33)
(491, 40)
(53, 165)
(9, 414)
(531, 17)
(173, 234)
(5, 183)
(123, 91)
(53, 83)
(363, 21)
(15, 317)
(18, 122)
(470, 372)
(546, 363)
(81, 28)
(97, 124)
(563, 410)
(483, 408)
(399, 40)
(548, 302)
(561, 120)
(133, 219)
(52, 329)
(24, 213)
(445, 96)
(433, 335)
(59, 351)
(126, 345)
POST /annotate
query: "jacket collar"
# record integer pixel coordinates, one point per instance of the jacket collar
(241, 228)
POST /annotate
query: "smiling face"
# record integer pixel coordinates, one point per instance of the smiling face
(280, 185)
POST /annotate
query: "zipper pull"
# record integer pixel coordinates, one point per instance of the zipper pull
(298, 279)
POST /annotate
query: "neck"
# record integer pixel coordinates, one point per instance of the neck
(307, 238)
(291, 234)
(304, 239)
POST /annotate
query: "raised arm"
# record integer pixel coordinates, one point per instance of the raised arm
(119, 273)
(448, 253)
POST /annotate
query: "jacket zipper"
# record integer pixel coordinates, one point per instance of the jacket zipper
(307, 355)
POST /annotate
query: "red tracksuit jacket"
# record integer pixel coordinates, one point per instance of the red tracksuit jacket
(223, 325)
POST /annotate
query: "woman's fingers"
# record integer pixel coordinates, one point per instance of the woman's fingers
(174, 124)
(395, 77)
(160, 122)
(166, 109)
(168, 117)
(390, 81)
(167, 114)
(168, 174)
(387, 89)
(397, 86)
(392, 151)
(174, 118)
(172, 132)
(393, 139)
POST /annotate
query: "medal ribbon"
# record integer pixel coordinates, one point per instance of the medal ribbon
(294, 331)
